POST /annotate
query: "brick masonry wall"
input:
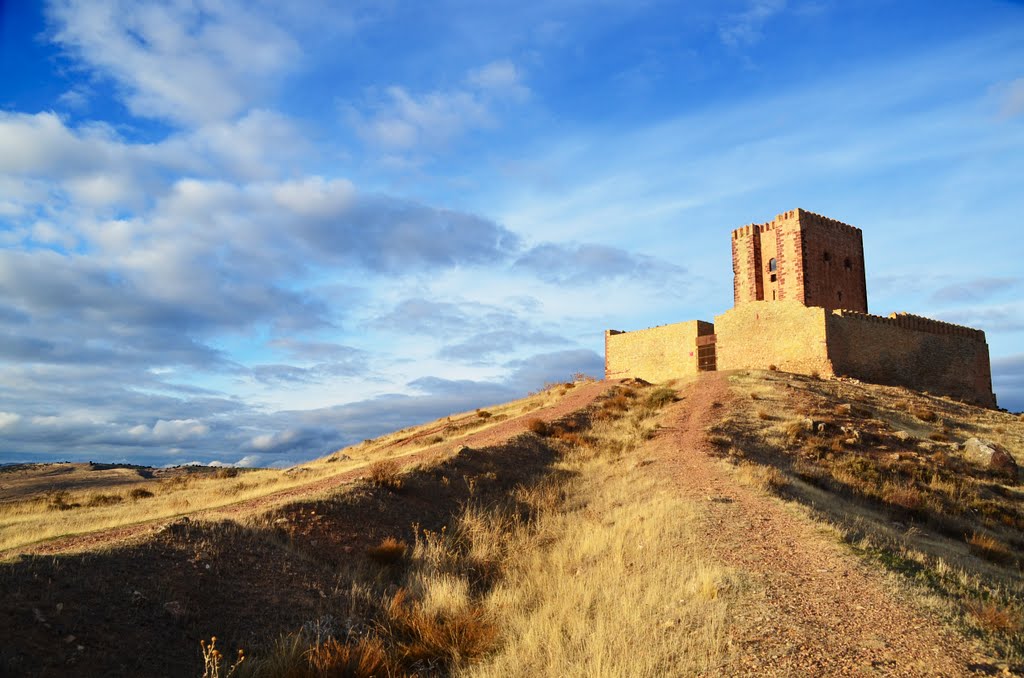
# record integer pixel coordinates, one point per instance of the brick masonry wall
(746, 246)
(919, 353)
(655, 354)
(833, 263)
(786, 334)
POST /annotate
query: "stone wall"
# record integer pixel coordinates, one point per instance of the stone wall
(786, 334)
(655, 354)
(908, 350)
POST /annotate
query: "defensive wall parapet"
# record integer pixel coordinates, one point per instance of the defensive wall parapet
(907, 350)
(654, 354)
(918, 323)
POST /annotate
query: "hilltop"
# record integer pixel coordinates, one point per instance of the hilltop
(741, 522)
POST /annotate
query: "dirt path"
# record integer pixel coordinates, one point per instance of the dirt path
(580, 397)
(816, 609)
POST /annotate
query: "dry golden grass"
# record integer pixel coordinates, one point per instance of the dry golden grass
(667, 610)
(597, 570)
(990, 548)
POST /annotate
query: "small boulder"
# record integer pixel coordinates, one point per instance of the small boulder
(902, 435)
(844, 409)
(993, 456)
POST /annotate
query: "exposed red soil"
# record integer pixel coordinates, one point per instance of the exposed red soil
(819, 609)
(574, 400)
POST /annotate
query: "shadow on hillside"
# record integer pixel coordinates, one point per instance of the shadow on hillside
(141, 610)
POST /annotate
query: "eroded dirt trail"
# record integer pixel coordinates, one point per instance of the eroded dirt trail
(815, 608)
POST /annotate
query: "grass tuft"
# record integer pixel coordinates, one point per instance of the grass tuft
(389, 551)
(989, 548)
(387, 474)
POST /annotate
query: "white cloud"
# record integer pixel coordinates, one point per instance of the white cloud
(502, 78)
(171, 430)
(744, 28)
(8, 419)
(188, 62)
(401, 120)
(315, 196)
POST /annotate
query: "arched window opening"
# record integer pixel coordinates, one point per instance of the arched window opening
(840, 295)
(772, 265)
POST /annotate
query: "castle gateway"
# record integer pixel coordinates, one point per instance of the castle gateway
(801, 305)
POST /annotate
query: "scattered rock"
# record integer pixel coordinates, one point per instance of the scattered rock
(807, 423)
(903, 435)
(845, 408)
(852, 435)
(993, 456)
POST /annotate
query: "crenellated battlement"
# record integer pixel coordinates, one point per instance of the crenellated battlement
(804, 217)
(813, 219)
(918, 323)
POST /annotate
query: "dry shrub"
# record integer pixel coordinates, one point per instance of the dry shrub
(773, 368)
(440, 639)
(992, 617)
(815, 374)
(923, 413)
(215, 664)
(226, 472)
(58, 501)
(539, 427)
(101, 499)
(619, 402)
(661, 396)
(572, 438)
(140, 493)
(483, 414)
(763, 416)
(363, 658)
(906, 497)
(386, 473)
(389, 551)
(795, 430)
(989, 548)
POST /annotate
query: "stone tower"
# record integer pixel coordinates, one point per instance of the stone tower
(801, 256)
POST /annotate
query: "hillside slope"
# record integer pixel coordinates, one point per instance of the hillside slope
(743, 523)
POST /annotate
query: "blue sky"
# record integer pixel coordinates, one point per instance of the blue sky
(253, 232)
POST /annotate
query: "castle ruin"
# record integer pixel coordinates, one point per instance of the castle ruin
(801, 305)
